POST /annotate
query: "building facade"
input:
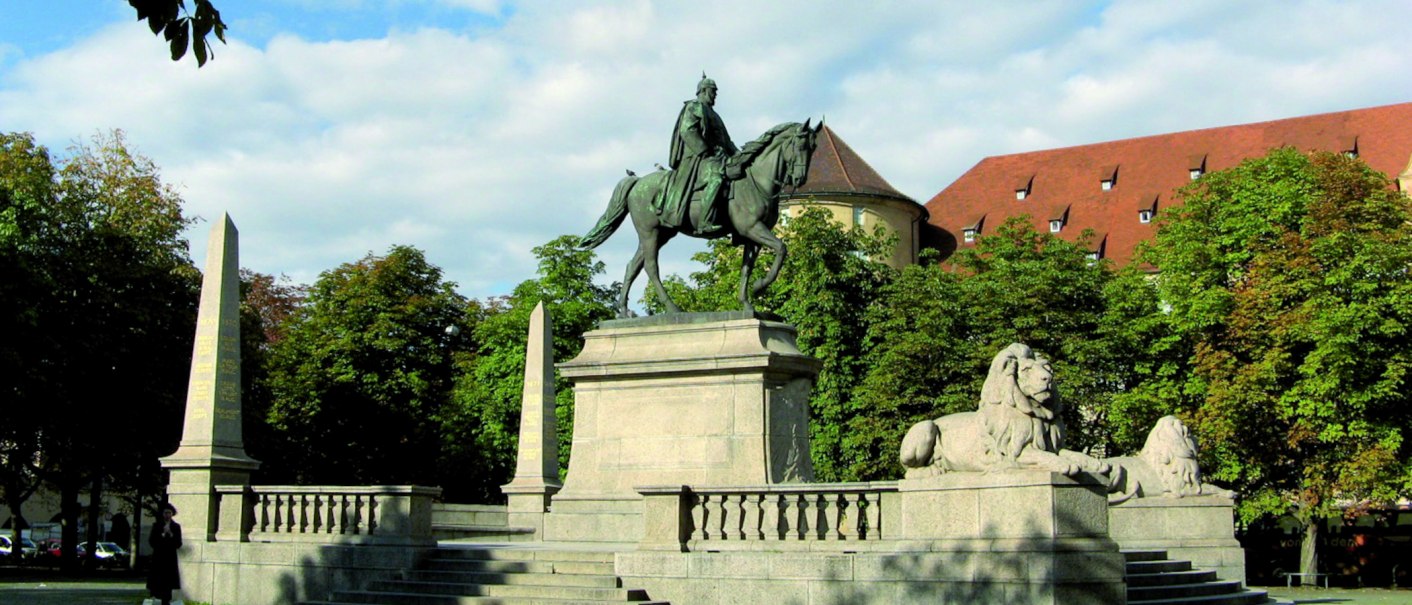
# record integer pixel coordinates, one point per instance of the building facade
(841, 182)
(1117, 189)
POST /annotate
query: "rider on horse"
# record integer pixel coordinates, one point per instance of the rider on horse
(701, 150)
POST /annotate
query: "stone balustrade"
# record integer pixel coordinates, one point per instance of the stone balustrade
(396, 514)
(787, 516)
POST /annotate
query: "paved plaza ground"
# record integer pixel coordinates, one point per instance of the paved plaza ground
(40, 587)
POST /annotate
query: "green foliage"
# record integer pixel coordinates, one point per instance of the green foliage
(361, 383)
(1289, 286)
(183, 30)
(488, 394)
(99, 298)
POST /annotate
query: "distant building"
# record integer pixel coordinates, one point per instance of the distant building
(844, 184)
(1118, 188)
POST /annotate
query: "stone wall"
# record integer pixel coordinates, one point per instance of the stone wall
(1200, 529)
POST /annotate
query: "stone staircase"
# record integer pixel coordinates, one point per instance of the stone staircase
(502, 576)
(1153, 579)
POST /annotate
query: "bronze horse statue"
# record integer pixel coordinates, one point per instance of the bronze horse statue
(777, 159)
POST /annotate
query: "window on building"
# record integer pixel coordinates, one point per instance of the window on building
(1108, 177)
(1056, 225)
(1349, 145)
(1023, 186)
(1144, 216)
(969, 235)
(1093, 256)
(784, 217)
(858, 216)
(1196, 165)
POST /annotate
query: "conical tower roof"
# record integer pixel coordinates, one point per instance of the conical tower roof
(835, 169)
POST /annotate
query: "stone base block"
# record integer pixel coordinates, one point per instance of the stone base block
(1017, 577)
(699, 399)
(594, 520)
(1200, 529)
(1020, 507)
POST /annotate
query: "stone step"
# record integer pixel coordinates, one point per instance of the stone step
(1172, 591)
(1245, 597)
(1144, 555)
(482, 533)
(509, 590)
(524, 554)
(502, 566)
(1194, 576)
(1148, 567)
(518, 577)
(369, 598)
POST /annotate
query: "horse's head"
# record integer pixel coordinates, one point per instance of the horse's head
(797, 146)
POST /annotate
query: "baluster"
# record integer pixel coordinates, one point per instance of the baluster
(722, 501)
(801, 516)
(873, 513)
(374, 512)
(316, 514)
(341, 501)
(754, 507)
(291, 513)
(355, 516)
(820, 516)
(700, 516)
(833, 517)
(774, 510)
(279, 512)
(303, 500)
(852, 525)
(262, 514)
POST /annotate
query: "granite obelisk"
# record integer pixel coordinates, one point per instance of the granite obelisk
(537, 466)
(212, 450)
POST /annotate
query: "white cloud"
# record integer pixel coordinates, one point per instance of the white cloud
(477, 146)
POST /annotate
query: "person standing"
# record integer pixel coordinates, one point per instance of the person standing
(163, 577)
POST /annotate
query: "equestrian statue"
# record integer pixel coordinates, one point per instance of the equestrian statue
(712, 190)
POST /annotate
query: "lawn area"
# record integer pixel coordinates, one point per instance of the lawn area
(1343, 596)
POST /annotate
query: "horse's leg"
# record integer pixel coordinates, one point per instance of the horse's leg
(634, 267)
(651, 243)
(747, 266)
(761, 235)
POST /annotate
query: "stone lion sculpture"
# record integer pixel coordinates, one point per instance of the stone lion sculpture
(1016, 425)
(1166, 467)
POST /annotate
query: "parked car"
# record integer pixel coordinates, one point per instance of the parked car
(50, 548)
(28, 549)
(107, 553)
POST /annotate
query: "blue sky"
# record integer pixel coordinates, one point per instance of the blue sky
(478, 129)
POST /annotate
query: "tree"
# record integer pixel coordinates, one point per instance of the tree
(488, 394)
(104, 300)
(182, 29)
(933, 332)
(360, 384)
(1289, 288)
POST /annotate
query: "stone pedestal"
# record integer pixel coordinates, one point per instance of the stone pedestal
(1200, 529)
(695, 399)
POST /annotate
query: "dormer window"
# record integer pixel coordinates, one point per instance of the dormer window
(972, 229)
(1058, 218)
(1196, 165)
(1022, 187)
(1095, 253)
(1348, 145)
(858, 216)
(1147, 208)
(1108, 177)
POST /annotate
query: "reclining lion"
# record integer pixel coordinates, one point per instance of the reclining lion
(1017, 425)
(1166, 467)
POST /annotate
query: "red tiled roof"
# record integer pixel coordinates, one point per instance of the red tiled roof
(835, 168)
(1149, 168)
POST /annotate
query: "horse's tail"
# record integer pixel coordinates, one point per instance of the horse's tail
(613, 216)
